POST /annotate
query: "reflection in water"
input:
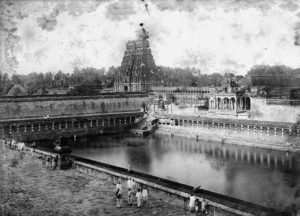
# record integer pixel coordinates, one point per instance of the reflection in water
(266, 177)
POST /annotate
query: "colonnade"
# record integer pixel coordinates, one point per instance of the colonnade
(230, 103)
(263, 129)
(64, 125)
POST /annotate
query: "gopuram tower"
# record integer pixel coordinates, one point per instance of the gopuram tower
(137, 66)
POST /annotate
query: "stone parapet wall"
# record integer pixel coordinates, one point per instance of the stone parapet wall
(173, 192)
(260, 111)
(69, 105)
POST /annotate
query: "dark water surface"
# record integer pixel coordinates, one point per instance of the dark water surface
(267, 177)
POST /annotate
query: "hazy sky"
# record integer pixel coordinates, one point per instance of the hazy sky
(212, 35)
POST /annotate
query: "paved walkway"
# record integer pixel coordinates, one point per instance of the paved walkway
(30, 189)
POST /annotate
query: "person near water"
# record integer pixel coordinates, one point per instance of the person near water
(192, 203)
(130, 196)
(145, 195)
(129, 183)
(55, 160)
(118, 197)
(139, 197)
(204, 207)
(197, 205)
(33, 147)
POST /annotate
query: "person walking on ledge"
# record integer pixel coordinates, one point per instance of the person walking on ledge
(145, 195)
(192, 202)
(139, 197)
(118, 194)
(130, 195)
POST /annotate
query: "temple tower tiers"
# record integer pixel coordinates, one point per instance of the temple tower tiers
(137, 67)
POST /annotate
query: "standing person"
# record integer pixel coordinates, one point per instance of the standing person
(139, 197)
(197, 205)
(48, 161)
(130, 195)
(33, 147)
(145, 195)
(192, 202)
(129, 184)
(134, 185)
(55, 162)
(118, 196)
(119, 192)
(203, 207)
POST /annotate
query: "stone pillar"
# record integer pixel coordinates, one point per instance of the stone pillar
(97, 122)
(39, 127)
(18, 130)
(10, 130)
(59, 126)
(91, 123)
(52, 125)
(32, 128)
(25, 129)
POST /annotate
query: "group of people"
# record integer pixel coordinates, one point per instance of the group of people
(140, 193)
(198, 206)
(50, 162)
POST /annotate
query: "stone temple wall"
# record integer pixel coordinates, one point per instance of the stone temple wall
(68, 105)
(259, 110)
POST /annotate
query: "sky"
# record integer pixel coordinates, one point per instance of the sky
(215, 36)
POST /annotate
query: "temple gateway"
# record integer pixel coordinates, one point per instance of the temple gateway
(137, 66)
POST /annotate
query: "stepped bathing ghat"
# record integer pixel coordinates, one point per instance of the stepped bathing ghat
(229, 117)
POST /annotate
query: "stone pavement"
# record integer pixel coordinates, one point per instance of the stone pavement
(28, 188)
